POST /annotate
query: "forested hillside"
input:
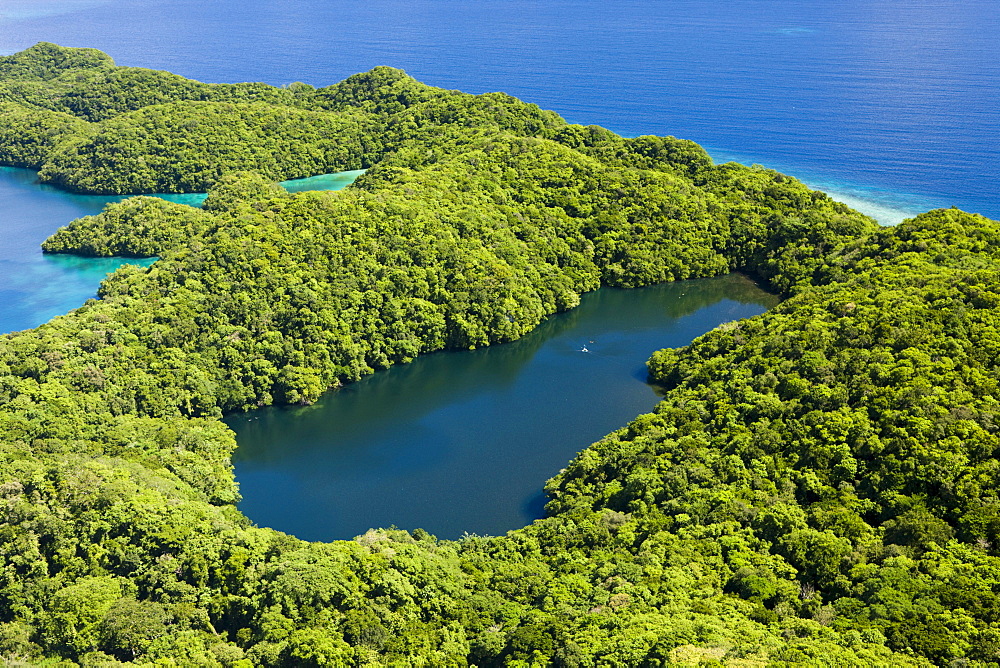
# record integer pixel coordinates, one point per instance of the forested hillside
(818, 486)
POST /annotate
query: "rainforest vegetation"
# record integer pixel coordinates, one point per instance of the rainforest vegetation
(819, 485)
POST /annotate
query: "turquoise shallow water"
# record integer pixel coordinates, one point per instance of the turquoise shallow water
(35, 287)
(886, 206)
(323, 181)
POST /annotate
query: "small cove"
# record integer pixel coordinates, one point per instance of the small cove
(462, 442)
(36, 287)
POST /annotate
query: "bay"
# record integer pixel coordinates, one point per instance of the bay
(34, 286)
(462, 442)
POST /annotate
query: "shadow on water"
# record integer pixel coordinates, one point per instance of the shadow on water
(463, 441)
(534, 506)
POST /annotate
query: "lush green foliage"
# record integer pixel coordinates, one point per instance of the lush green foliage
(90, 126)
(46, 62)
(28, 135)
(136, 227)
(818, 486)
(851, 434)
(187, 146)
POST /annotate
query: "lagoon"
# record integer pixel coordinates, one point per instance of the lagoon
(454, 442)
(462, 441)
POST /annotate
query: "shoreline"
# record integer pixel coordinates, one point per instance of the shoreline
(888, 208)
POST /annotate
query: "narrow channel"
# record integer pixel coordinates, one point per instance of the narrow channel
(462, 442)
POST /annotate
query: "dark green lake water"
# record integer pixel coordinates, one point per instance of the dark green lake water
(461, 442)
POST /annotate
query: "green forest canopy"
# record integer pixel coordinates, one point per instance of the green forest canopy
(818, 486)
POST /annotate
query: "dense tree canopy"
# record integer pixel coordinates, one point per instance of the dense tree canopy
(817, 487)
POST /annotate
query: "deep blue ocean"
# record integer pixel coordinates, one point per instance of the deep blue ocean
(891, 104)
